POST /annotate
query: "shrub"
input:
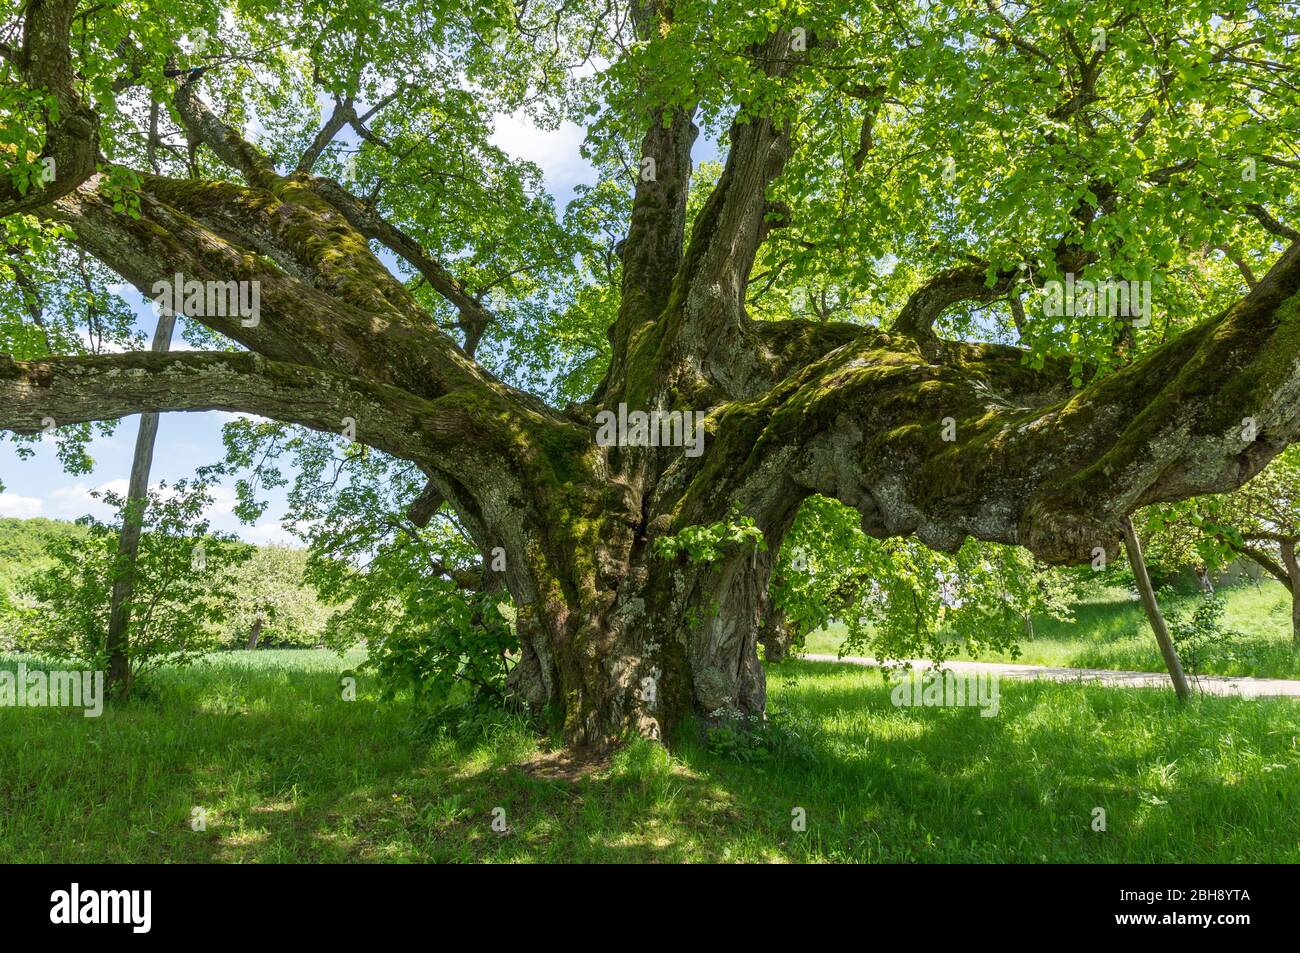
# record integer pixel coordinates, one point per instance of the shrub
(180, 598)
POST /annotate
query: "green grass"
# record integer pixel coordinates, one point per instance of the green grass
(289, 772)
(1112, 632)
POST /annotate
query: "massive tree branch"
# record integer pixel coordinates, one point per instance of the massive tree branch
(343, 114)
(297, 323)
(302, 232)
(1271, 224)
(874, 97)
(964, 283)
(367, 220)
(69, 390)
(652, 251)
(705, 346)
(1268, 564)
(203, 125)
(322, 224)
(360, 320)
(71, 139)
(420, 510)
(961, 440)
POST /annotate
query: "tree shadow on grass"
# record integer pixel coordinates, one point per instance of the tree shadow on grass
(1210, 782)
(319, 780)
(875, 783)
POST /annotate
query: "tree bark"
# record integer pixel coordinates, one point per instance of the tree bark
(1156, 617)
(777, 635)
(670, 642)
(254, 633)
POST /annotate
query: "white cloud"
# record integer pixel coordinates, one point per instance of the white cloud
(225, 416)
(23, 507)
(266, 533)
(69, 502)
(104, 347)
(75, 500)
(556, 151)
(223, 500)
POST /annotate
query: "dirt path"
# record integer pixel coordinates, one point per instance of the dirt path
(1208, 684)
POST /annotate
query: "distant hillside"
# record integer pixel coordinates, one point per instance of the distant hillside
(22, 543)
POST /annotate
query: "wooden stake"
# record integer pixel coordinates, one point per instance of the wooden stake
(1139, 564)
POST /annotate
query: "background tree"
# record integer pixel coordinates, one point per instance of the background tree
(858, 305)
(10, 624)
(273, 603)
(23, 543)
(23, 547)
(900, 600)
(1260, 521)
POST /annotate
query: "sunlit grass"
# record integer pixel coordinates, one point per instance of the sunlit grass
(1112, 632)
(286, 771)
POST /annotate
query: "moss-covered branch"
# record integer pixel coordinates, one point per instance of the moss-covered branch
(35, 395)
(954, 440)
(71, 129)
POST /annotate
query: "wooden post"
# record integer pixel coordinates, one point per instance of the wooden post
(1139, 564)
(128, 544)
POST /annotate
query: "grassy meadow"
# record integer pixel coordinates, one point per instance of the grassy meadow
(1111, 631)
(284, 770)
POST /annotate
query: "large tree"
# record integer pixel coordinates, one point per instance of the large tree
(853, 297)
